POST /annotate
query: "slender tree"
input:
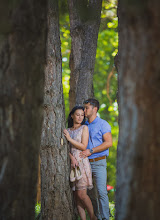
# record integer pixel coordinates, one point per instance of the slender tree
(22, 58)
(84, 26)
(56, 197)
(138, 179)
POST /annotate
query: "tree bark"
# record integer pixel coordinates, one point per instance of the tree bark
(84, 26)
(22, 58)
(56, 197)
(138, 179)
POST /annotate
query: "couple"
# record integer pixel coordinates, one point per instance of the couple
(89, 141)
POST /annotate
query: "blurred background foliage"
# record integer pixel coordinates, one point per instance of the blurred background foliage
(105, 75)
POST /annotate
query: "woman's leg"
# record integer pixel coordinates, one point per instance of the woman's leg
(80, 207)
(85, 200)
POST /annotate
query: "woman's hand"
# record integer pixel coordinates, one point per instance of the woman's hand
(66, 134)
(74, 162)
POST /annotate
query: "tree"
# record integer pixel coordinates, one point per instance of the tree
(22, 59)
(85, 19)
(84, 27)
(56, 202)
(138, 167)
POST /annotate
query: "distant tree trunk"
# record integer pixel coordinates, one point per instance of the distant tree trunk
(22, 59)
(56, 197)
(138, 170)
(84, 26)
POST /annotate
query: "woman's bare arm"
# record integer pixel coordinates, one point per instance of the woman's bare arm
(85, 136)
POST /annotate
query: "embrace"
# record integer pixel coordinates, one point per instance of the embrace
(90, 141)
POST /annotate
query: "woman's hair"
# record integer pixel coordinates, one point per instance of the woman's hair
(70, 120)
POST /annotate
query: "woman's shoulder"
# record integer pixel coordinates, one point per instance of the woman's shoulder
(85, 127)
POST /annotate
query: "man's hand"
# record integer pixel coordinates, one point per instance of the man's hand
(85, 153)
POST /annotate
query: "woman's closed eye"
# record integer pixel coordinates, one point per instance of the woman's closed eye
(79, 115)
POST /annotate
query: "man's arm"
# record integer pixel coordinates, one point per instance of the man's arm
(107, 142)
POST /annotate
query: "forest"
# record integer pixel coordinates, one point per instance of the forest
(54, 55)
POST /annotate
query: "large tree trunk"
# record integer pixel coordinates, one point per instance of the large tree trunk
(84, 26)
(85, 19)
(56, 198)
(22, 58)
(138, 170)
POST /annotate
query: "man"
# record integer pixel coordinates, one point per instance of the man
(100, 139)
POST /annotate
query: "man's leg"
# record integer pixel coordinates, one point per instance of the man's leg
(100, 174)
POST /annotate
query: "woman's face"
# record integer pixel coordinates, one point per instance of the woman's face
(78, 116)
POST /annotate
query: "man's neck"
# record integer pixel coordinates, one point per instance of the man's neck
(92, 118)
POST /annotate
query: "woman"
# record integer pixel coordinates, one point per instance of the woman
(77, 134)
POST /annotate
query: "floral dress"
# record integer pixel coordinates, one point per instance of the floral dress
(86, 181)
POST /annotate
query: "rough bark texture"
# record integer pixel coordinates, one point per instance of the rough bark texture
(138, 179)
(84, 27)
(22, 58)
(56, 197)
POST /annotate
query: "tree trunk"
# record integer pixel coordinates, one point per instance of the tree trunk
(56, 197)
(22, 59)
(84, 26)
(85, 19)
(138, 179)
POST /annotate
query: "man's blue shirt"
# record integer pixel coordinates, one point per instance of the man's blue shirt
(97, 129)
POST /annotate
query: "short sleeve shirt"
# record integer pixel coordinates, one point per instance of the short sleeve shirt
(97, 129)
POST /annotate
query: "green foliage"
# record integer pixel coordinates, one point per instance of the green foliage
(105, 75)
(65, 49)
(37, 209)
(112, 210)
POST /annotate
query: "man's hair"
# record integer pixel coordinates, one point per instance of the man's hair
(93, 102)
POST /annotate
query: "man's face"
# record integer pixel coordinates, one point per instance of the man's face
(88, 110)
